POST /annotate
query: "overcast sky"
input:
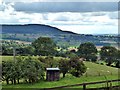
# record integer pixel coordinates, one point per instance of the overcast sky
(88, 17)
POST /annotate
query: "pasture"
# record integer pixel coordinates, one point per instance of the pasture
(95, 72)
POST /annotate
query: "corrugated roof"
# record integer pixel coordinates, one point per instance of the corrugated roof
(52, 69)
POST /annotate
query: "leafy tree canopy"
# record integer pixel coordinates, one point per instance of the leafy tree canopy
(109, 54)
(86, 50)
(44, 46)
(77, 67)
(64, 66)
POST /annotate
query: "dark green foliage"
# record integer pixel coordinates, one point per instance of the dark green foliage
(7, 51)
(64, 66)
(92, 57)
(108, 53)
(118, 54)
(70, 54)
(21, 49)
(6, 71)
(48, 62)
(44, 46)
(33, 70)
(28, 50)
(87, 51)
(117, 62)
(22, 69)
(77, 67)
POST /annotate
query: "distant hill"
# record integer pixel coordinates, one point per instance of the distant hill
(33, 29)
(30, 32)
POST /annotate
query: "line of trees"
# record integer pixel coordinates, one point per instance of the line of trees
(109, 54)
(29, 69)
(23, 68)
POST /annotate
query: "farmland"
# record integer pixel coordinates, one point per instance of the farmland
(95, 72)
(59, 45)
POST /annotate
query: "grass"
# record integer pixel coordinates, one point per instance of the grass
(68, 80)
(6, 58)
(95, 72)
(94, 69)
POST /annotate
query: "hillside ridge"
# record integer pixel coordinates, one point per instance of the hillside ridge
(31, 28)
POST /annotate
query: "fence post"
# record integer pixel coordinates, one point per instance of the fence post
(110, 85)
(84, 86)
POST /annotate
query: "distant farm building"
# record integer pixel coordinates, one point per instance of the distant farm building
(53, 74)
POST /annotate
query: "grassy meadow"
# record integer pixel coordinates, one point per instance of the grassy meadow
(95, 72)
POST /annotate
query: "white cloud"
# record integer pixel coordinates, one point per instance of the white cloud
(100, 19)
(65, 16)
(89, 22)
(1, 2)
(58, 18)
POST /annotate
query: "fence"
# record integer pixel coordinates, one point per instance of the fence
(84, 85)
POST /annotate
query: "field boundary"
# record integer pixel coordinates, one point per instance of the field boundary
(84, 85)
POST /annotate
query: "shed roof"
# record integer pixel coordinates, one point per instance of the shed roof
(52, 69)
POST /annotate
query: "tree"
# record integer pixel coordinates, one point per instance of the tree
(87, 51)
(18, 68)
(118, 59)
(77, 67)
(108, 53)
(32, 70)
(64, 66)
(44, 46)
(5, 71)
(118, 64)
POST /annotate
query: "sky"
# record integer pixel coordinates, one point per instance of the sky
(79, 16)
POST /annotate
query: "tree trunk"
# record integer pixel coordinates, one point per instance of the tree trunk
(14, 81)
(7, 81)
(109, 63)
(18, 80)
(64, 75)
(26, 80)
(29, 80)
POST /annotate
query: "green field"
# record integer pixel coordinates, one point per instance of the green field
(6, 58)
(95, 72)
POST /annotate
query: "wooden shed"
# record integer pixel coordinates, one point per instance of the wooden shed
(53, 74)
